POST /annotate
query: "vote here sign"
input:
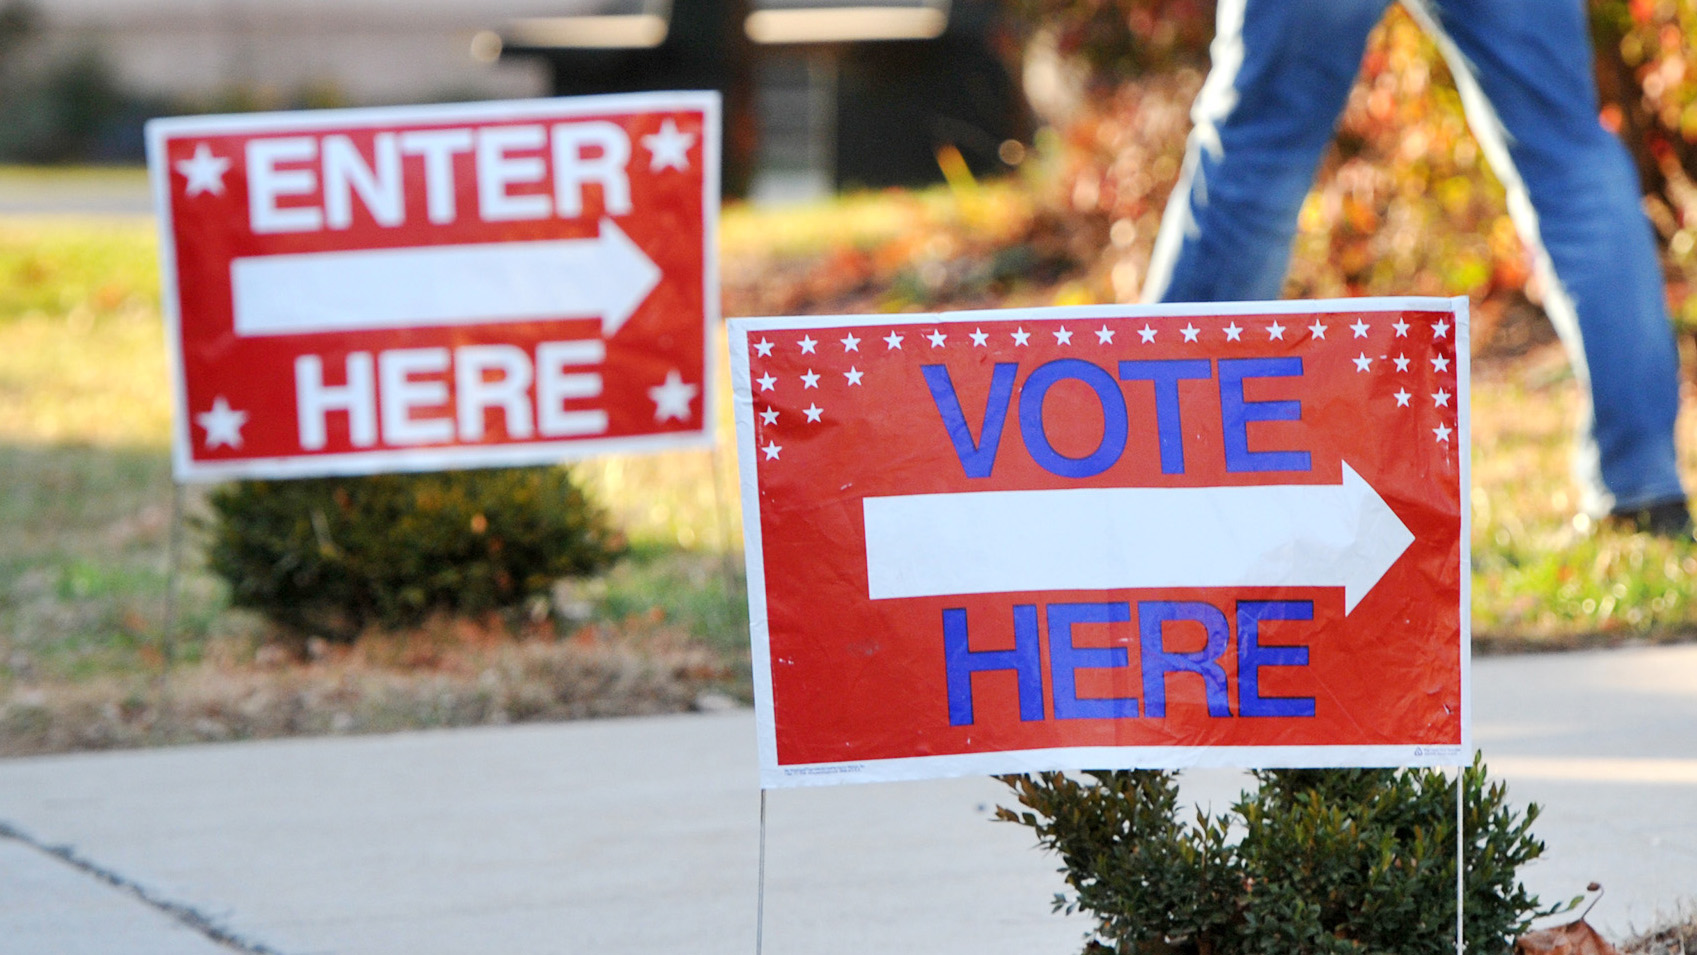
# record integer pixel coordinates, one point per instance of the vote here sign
(1008, 541)
(353, 291)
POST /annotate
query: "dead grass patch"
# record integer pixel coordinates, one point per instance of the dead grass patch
(1676, 937)
(449, 673)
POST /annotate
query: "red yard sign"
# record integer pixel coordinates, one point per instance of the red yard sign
(1106, 538)
(353, 291)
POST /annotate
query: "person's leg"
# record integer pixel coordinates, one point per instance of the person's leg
(1525, 71)
(1282, 70)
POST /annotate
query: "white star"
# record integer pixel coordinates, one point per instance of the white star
(853, 375)
(1234, 333)
(763, 348)
(1189, 331)
(892, 341)
(1440, 398)
(769, 416)
(766, 381)
(851, 343)
(809, 380)
(672, 397)
(1317, 329)
(1021, 336)
(1063, 336)
(980, 338)
(1362, 362)
(1442, 433)
(1402, 397)
(668, 148)
(1147, 333)
(808, 345)
(1275, 332)
(937, 338)
(1401, 362)
(1441, 329)
(813, 411)
(1104, 335)
(1401, 327)
(204, 172)
(1440, 363)
(1360, 328)
(223, 424)
(772, 448)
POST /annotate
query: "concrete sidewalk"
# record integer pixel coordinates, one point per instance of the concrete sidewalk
(643, 835)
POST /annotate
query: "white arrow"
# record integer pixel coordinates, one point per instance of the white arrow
(1292, 535)
(604, 277)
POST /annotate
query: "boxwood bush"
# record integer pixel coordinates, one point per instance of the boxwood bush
(1312, 861)
(331, 556)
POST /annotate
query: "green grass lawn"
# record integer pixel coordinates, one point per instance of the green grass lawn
(86, 495)
(1540, 576)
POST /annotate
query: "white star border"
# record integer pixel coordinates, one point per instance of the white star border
(1386, 344)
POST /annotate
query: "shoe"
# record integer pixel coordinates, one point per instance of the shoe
(1670, 519)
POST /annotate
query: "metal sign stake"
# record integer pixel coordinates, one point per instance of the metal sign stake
(1460, 862)
(173, 558)
(760, 892)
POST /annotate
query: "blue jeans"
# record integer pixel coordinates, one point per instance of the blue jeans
(1282, 70)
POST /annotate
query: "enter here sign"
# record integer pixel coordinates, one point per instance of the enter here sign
(412, 288)
(1010, 541)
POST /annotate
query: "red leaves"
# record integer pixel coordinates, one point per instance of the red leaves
(1575, 938)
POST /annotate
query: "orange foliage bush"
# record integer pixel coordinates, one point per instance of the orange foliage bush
(1647, 72)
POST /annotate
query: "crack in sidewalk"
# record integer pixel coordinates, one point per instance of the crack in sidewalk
(186, 915)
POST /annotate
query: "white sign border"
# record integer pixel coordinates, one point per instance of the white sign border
(186, 469)
(773, 775)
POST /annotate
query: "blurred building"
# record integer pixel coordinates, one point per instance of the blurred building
(836, 92)
(819, 93)
(363, 51)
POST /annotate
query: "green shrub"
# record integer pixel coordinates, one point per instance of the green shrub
(333, 555)
(1333, 861)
